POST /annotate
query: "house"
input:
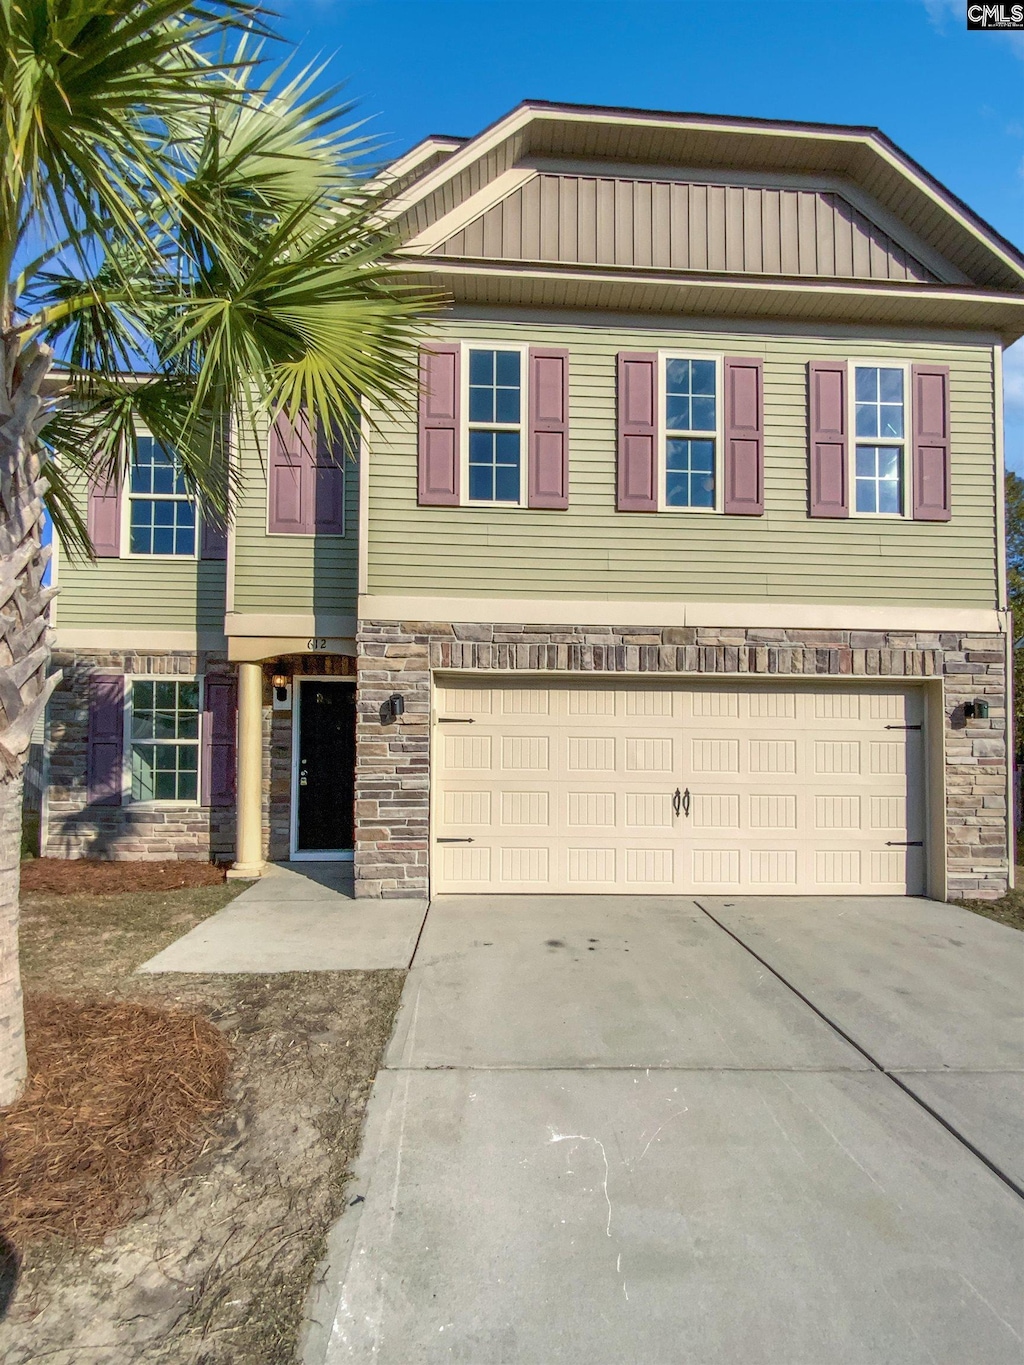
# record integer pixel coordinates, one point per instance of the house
(688, 579)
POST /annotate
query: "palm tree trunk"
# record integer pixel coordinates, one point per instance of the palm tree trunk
(24, 660)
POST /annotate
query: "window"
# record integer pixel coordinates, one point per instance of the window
(495, 426)
(879, 426)
(691, 432)
(164, 740)
(162, 514)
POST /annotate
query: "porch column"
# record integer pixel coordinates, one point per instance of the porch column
(249, 811)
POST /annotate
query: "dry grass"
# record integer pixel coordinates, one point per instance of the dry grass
(89, 945)
(117, 1093)
(1008, 909)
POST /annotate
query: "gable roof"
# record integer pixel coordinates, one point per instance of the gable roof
(487, 168)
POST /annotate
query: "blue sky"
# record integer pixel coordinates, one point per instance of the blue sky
(954, 100)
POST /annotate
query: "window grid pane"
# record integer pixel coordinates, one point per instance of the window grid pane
(879, 399)
(690, 473)
(162, 516)
(494, 466)
(494, 386)
(690, 395)
(164, 526)
(165, 740)
(879, 479)
(495, 399)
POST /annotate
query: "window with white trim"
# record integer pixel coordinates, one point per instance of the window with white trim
(691, 432)
(495, 426)
(163, 731)
(161, 509)
(880, 440)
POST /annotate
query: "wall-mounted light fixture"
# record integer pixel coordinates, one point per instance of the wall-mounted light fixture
(391, 709)
(976, 710)
(280, 683)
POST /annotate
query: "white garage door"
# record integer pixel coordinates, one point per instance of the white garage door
(611, 787)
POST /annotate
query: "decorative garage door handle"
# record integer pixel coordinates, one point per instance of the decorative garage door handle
(455, 841)
(681, 799)
(904, 843)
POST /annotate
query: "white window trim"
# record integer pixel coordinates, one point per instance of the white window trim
(126, 747)
(296, 854)
(906, 464)
(126, 520)
(522, 426)
(661, 429)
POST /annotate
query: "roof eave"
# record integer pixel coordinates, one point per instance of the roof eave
(680, 293)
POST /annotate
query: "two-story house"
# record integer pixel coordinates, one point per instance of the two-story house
(688, 578)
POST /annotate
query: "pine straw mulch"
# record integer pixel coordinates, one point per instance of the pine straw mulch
(213, 1262)
(101, 877)
(117, 1094)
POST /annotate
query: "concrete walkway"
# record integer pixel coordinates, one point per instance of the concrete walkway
(656, 1131)
(299, 917)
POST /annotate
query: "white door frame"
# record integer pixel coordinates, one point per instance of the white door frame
(316, 855)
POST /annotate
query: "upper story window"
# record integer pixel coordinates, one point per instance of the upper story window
(163, 721)
(691, 427)
(691, 444)
(495, 435)
(880, 444)
(161, 511)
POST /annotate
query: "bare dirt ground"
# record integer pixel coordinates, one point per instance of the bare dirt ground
(215, 1268)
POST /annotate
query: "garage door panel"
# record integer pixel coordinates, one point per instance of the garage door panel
(571, 788)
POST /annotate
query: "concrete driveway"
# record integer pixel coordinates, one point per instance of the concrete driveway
(659, 1130)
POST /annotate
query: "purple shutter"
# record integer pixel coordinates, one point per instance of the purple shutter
(327, 488)
(548, 480)
(637, 455)
(104, 518)
(104, 766)
(930, 412)
(439, 456)
(213, 537)
(744, 438)
(288, 478)
(828, 439)
(219, 725)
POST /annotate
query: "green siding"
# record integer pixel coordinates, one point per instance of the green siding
(139, 594)
(592, 551)
(283, 573)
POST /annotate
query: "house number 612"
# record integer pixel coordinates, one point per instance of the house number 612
(318, 642)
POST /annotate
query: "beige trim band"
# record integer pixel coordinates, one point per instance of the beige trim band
(291, 624)
(110, 637)
(740, 615)
(254, 649)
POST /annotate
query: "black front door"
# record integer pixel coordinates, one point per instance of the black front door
(327, 761)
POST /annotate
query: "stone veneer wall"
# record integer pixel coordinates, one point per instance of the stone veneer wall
(392, 771)
(71, 829)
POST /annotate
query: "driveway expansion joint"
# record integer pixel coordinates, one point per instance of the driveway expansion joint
(1006, 1179)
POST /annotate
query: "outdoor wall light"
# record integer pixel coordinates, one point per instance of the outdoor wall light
(975, 710)
(280, 685)
(391, 709)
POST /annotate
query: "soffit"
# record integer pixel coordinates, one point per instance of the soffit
(697, 294)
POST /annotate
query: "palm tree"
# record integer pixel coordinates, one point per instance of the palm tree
(184, 243)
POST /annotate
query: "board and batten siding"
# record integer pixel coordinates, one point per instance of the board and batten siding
(139, 594)
(291, 573)
(676, 225)
(590, 550)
